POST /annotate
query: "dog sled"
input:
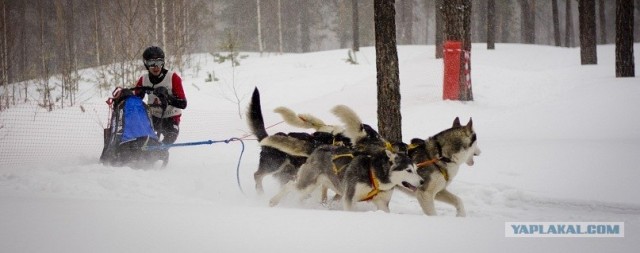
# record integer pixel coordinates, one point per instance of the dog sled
(130, 139)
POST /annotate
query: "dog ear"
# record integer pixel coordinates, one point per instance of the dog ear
(390, 154)
(456, 122)
(470, 124)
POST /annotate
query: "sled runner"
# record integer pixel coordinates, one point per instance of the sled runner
(130, 138)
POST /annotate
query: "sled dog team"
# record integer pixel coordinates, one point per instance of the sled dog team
(357, 163)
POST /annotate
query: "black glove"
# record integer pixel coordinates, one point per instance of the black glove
(165, 99)
(178, 103)
(161, 92)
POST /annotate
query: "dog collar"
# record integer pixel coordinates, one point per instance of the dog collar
(375, 184)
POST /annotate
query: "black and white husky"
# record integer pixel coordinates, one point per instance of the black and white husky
(438, 159)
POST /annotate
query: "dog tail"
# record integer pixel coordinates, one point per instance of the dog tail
(305, 121)
(288, 144)
(254, 117)
(353, 125)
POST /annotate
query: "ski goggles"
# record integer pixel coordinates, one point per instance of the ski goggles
(154, 62)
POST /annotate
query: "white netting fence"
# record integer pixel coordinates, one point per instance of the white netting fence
(29, 134)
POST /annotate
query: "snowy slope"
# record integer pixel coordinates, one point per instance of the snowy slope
(560, 142)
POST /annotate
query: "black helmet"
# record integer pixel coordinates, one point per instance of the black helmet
(153, 52)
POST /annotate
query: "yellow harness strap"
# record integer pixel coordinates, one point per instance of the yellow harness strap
(375, 183)
(388, 146)
(411, 146)
(426, 163)
(445, 173)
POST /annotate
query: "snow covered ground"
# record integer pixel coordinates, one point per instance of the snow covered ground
(560, 142)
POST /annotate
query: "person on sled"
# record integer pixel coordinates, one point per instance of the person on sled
(167, 100)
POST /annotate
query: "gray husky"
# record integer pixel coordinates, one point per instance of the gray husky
(367, 172)
(438, 159)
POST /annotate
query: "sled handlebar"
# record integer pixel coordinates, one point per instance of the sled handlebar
(144, 89)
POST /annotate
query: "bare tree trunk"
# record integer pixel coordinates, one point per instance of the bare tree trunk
(601, 18)
(155, 21)
(5, 50)
(587, 17)
(355, 26)
(186, 38)
(259, 27)
(73, 56)
(427, 8)
(26, 44)
(97, 20)
(625, 65)
(556, 23)
(406, 22)
(568, 39)
(528, 21)
(344, 24)
(46, 90)
(280, 27)
(164, 23)
(491, 24)
(388, 81)
(439, 28)
(5, 54)
(175, 40)
(305, 26)
(62, 46)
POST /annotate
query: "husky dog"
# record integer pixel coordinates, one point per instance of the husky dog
(368, 171)
(367, 177)
(340, 137)
(272, 161)
(284, 166)
(438, 159)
